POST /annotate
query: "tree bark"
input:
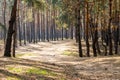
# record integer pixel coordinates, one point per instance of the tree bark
(87, 40)
(7, 52)
(78, 33)
(4, 15)
(109, 28)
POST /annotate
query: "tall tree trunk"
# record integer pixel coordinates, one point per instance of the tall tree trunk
(94, 36)
(62, 32)
(54, 25)
(33, 26)
(7, 52)
(24, 24)
(116, 30)
(44, 26)
(4, 14)
(38, 24)
(66, 33)
(87, 37)
(14, 39)
(47, 27)
(109, 28)
(71, 31)
(18, 23)
(78, 33)
(76, 28)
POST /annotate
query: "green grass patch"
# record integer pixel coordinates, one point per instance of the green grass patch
(70, 53)
(15, 69)
(37, 71)
(25, 54)
(13, 78)
(31, 71)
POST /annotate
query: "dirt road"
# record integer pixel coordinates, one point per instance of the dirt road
(58, 57)
(101, 68)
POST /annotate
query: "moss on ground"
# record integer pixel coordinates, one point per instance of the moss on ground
(30, 71)
(38, 71)
(70, 53)
(13, 78)
(25, 54)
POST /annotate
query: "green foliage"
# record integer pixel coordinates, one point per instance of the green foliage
(37, 4)
(29, 17)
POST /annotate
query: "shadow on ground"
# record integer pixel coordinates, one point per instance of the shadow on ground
(23, 69)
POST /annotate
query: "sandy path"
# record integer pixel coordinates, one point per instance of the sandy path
(48, 51)
(102, 68)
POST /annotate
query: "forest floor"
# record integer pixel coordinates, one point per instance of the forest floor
(57, 60)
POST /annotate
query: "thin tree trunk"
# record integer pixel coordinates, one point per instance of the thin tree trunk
(109, 28)
(4, 14)
(87, 41)
(38, 24)
(18, 21)
(14, 39)
(78, 33)
(47, 27)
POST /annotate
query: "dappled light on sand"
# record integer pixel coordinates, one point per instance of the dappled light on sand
(59, 39)
(47, 61)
